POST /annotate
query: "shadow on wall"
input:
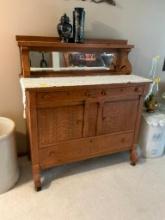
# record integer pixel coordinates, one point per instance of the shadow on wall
(162, 87)
(21, 143)
(140, 62)
(101, 30)
(105, 2)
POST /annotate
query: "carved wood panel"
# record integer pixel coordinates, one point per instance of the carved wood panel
(119, 116)
(60, 124)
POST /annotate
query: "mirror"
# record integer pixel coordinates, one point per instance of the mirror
(65, 61)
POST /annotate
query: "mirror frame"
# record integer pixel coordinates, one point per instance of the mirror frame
(48, 44)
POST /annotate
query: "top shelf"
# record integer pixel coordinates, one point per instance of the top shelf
(49, 43)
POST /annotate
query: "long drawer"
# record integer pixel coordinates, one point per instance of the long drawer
(46, 98)
(80, 149)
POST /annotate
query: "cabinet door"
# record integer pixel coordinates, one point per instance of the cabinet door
(118, 116)
(60, 123)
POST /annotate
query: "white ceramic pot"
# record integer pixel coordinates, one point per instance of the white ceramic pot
(9, 171)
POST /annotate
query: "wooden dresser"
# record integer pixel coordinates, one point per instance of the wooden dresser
(83, 113)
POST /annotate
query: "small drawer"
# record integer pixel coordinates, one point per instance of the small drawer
(137, 90)
(68, 95)
(123, 91)
(44, 98)
(52, 96)
(92, 93)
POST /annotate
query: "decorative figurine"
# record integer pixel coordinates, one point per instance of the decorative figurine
(151, 100)
(64, 29)
(78, 25)
(151, 103)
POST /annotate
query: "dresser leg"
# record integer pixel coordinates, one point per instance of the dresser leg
(133, 157)
(37, 178)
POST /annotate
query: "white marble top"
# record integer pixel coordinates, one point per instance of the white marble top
(40, 82)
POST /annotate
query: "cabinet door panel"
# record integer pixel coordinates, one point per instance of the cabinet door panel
(60, 124)
(119, 116)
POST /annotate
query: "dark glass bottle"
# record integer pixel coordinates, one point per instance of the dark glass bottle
(78, 25)
(43, 62)
(64, 28)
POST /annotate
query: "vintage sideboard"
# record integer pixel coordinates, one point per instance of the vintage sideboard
(83, 113)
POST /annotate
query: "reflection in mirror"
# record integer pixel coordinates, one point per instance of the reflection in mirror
(40, 59)
(65, 61)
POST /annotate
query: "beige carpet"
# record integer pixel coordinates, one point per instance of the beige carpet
(106, 188)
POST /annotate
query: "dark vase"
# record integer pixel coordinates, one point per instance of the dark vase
(78, 25)
(64, 28)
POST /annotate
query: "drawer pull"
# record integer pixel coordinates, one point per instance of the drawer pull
(52, 154)
(90, 95)
(79, 122)
(104, 118)
(123, 140)
(91, 141)
(136, 89)
(45, 96)
(103, 92)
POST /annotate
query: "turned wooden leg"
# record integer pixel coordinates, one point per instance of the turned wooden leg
(133, 157)
(37, 178)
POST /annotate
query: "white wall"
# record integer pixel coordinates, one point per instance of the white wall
(139, 21)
